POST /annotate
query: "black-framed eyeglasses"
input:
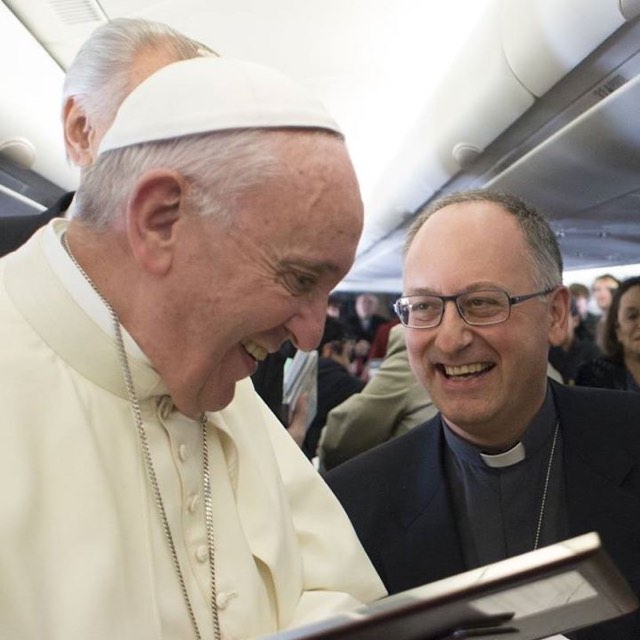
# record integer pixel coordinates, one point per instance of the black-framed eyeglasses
(477, 308)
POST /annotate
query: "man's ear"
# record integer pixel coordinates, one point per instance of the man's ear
(79, 134)
(154, 209)
(558, 316)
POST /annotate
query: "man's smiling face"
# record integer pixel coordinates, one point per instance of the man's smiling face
(486, 380)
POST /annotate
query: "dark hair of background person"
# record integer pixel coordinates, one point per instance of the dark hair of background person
(335, 382)
(612, 347)
(335, 334)
(579, 290)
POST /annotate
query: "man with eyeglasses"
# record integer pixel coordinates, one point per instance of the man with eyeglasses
(513, 461)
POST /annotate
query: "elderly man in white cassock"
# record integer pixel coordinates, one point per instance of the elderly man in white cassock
(148, 492)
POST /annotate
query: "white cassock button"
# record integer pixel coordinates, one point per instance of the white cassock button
(165, 407)
(202, 553)
(192, 503)
(183, 452)
(223, 599)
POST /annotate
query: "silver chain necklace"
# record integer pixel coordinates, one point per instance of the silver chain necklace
(151, 474)
(546, 488)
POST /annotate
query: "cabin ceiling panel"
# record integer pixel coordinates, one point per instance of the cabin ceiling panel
(31, 80)
(598, 153)
(407, 95)
(545, 39)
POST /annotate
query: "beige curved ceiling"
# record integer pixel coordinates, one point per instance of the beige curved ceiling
(431, 95)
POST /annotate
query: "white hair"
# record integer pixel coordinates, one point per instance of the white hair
(218, 167)
(98, 78)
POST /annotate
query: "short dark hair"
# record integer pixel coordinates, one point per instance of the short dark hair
(611, 345)
(544, 252)
(579, 290)
(334, 332)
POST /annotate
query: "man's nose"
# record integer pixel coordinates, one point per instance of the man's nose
(307, 326)
(453, 333)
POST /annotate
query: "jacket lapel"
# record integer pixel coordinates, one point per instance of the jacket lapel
(596, 467)
(428, 548)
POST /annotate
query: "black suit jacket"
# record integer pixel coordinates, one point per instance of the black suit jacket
(398, 500)
(16, 230)
(335, 385)
(357, 332)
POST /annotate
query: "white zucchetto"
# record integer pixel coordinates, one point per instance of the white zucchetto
(213, 94)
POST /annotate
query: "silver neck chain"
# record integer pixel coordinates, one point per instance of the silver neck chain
(151, 474)
(543, 503)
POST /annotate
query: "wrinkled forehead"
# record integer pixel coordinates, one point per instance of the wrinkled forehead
(308, 209)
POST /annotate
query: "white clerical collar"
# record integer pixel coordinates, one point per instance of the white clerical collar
(506, 459)
(539, 432)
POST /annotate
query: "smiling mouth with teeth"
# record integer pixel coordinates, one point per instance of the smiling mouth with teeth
(465, 370)
(257, 352)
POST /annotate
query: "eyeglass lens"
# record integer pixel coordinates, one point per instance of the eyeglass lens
(476, 307)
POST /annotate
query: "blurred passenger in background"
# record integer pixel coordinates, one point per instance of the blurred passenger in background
(567, 357)
(619, 367)
(335, 381)
(268, 379)
(366, 320)
(586, 329)
(380, 342)
(603, 288)
(334, 306)
(392, 403)
(362, 325)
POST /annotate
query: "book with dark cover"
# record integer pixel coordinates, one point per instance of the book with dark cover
(553, 590)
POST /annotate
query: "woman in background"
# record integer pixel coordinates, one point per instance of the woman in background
(619, 368)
